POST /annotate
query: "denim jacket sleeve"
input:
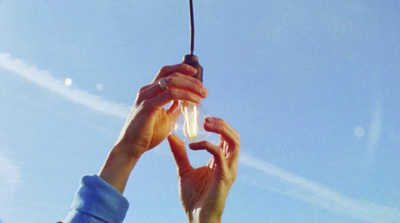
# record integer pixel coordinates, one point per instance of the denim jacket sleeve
(97, 202)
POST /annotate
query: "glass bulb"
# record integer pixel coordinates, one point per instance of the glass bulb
(189, 126)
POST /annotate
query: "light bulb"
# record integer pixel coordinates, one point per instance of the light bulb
(189, 126)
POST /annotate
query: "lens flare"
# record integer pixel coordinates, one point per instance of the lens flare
(359, 132)
(68, 81)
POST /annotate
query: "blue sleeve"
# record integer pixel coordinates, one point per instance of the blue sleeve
(96, 201)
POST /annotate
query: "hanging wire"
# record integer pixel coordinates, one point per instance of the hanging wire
(191, 27)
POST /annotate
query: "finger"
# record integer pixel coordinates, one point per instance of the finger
(216, 151)
(175, 81)
(173, 107)
(174, 95)
(154, 97)
(228, 134)
(219, 126)
(178, 80)
(179, 152)
(180, 68)
(173, 112)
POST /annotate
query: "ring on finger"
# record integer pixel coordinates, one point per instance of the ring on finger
(162, 84)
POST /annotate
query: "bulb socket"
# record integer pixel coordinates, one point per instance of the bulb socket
(193, 61)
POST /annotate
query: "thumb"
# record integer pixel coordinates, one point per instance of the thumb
(179, 152)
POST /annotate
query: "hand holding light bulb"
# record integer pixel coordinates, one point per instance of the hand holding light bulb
(149, 122)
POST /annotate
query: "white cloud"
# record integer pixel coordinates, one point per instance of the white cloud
(45, 79)
(375, 129)
(318, 194)
(10, 176)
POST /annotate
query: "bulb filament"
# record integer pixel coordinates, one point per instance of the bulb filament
(191, 116)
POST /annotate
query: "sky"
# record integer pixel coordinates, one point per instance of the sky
(311, 86)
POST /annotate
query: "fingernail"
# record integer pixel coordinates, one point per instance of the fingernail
(204, 92)
(209, 119)
(210, 124)
(197, 100)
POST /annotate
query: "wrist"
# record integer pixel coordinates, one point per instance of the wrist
(200, 216)
(129, 150)
(117, 168)
(208, 220)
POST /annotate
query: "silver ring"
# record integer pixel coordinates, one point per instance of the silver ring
(163, 85)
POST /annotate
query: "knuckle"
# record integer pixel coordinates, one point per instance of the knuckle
(140, 96)
(221, 128)
(172, 93)
(208, 144)
(146, 104)
(204, 144)
(163, 70)
(182, 66)
(219, 151)
(170, 80)
(174, 75)
(220, 123)
(142, 89)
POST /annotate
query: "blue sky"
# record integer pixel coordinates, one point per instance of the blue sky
(311, 86)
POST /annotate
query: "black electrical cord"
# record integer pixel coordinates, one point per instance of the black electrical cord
(191, 27)
(191, 59)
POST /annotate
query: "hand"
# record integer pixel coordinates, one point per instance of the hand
(148, 122)
(203, 190)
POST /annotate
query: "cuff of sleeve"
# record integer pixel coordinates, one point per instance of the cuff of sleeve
(99, 199)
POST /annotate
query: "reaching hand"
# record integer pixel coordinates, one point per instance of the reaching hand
(203, 190)
(149, 123)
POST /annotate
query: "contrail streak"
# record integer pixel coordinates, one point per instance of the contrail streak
(318, 194)
(45, 79)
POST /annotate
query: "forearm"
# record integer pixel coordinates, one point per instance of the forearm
(117, 167)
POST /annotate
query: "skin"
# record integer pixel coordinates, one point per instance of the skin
(203, 191)
(148, 122)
